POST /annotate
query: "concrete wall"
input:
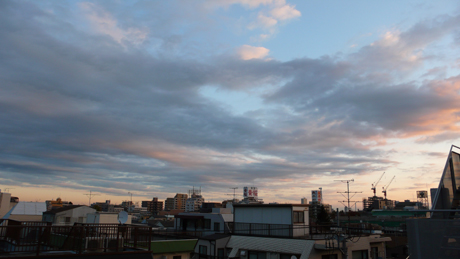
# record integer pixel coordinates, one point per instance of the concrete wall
(265, 215)
(105, 218)
(301, 229)
(5, 199)
(78, 214)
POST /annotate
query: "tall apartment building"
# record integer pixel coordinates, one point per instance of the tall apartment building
(155, 206)
(176, 203)
(195, 201)
(180, 201)
(169, 204)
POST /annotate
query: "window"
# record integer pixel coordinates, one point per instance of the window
(257, 255)
(217, 226)
(289, 256)
(333, 256)
(177, 257)
(220, 253)
(203, 250)
(207, 224)
(67, 219)
(298, 217)
(374, 252)
(360, 254)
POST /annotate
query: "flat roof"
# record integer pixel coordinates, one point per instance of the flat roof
(271, 205)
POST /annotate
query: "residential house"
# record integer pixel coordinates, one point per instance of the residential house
(282, 220)
(67, 215)
(203, 224)
(26, 211)
(105, 218)
(7, 203)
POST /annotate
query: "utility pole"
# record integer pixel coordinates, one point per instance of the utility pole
(348, 196)
(90, 194)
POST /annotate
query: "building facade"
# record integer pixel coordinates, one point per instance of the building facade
(155, 206)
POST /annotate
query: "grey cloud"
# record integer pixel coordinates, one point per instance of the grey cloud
(76, 106)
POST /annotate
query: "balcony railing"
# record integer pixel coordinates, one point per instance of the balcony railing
(81, 238)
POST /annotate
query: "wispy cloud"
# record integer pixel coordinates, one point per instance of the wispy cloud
(247, 52)
(103, 22)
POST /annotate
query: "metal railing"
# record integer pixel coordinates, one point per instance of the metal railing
(82, 238)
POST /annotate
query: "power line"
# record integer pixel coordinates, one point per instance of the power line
(90, 194)
(348, 196)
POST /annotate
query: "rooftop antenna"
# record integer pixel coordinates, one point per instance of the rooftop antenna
(90, 194)
(8, 189)
(348, 196)
(234, 189)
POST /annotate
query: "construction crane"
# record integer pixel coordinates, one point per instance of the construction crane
(386, 187)
(374, 185)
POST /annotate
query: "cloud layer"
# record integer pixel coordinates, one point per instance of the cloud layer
(106, 106)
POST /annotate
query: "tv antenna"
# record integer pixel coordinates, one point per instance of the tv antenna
(90, 194)
(348, 196)
(234, 191)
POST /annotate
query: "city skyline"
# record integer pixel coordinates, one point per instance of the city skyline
(153, 98)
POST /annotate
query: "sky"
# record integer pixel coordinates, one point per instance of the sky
(153, 98)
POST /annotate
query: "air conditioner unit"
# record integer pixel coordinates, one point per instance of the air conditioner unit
(94, 244)
(111, 244)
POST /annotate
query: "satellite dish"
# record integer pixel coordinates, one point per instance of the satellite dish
(293, 257)
(122, 217)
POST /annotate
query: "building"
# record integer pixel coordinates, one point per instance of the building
(26, 211)
(204, 223)
(195, 201)
(317, 196)
(437, 236)
(154, 206)
(105, 218)
(180, 201)
(372, 203)
(7, 203)
(207, 207)
(177, 203)
(58, 203)
(303, 201)
(256, 247)
(104, 206)
(169, 204)
(68, 215)
(278, 220)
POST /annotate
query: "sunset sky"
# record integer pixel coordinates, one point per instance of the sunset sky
(155, 97)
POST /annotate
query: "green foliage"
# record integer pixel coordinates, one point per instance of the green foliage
(323, 218)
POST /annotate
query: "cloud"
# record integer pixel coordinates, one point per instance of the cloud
(104, 23)
(285, 12)
(247, 52)
(86, 110)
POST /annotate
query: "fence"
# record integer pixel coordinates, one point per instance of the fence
(81, 238)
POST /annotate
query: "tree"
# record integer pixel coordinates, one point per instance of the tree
(323, 217)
